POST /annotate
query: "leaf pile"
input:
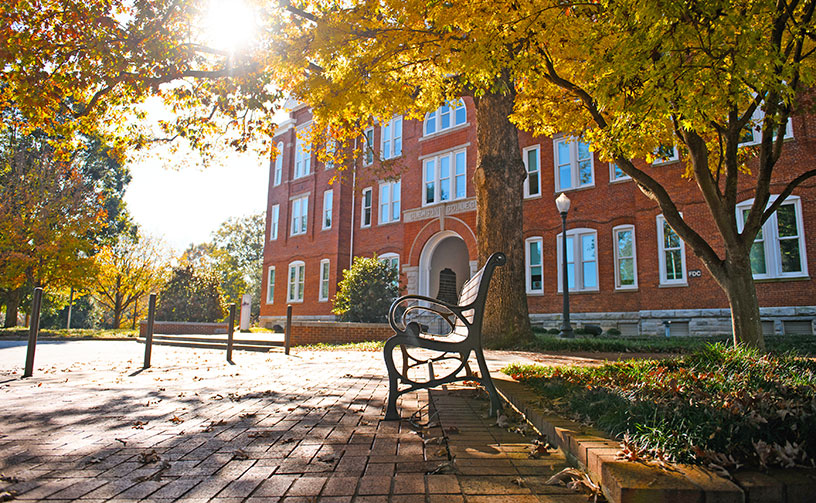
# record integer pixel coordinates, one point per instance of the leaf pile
(720, 406)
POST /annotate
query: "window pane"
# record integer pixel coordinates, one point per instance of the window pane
(461, 113)
(674, 268)
(444, 178)
(624, 244)
(535, 277)
(445, 117)
(532, 180)
(758, 258)
(670, 239)
(570, 249)
(626, 271)
(535, 252)
(590, 275)
(588, 247)
(563, 153)
(564, 177)
(588, 259)
(617, 171)
(571, 276)
(786, 221)
(584, 172)
(461, 184)
(789, 251)
(583, 151)
(430, 123)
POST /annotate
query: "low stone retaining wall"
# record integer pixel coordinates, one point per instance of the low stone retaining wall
(183, 328)
(336, 332)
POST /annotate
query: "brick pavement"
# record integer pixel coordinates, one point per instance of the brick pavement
(90, 427)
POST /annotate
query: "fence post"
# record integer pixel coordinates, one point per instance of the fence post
(151, 316)
(231, 330)
(33, 331)
(287, 336)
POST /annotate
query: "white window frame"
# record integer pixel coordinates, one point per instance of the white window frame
(615, 231)
(456, 179)
(390, 200)
(278, 171)
(661, 256)
(365, 209)
(578, 259)
(270, 284)
(368, 146)
(391, 139)
(756, 132)
(303, 153)
(528, 193)
(528, 265)
(274, 222)
(300, 215)
(770, 239)
(573, 145)
(298, 282)
(666, 160)
(613, 175)
(328, 202)
(325, 272)
(434, 120)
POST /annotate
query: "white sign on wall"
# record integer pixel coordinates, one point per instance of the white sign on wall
(246, 306)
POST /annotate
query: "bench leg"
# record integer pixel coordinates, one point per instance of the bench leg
(391, 413)
(495, 401)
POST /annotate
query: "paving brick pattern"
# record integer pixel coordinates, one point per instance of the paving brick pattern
(91, 427)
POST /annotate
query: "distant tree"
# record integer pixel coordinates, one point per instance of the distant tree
(54, 213)
(191, 294)
(127, 271)
(366, 291)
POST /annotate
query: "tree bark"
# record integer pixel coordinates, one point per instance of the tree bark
(13, 300)
(739, 287)
(499, 181)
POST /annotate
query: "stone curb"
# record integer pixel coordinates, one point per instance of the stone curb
(621, 481)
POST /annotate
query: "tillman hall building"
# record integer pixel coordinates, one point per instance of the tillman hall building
(627, 268)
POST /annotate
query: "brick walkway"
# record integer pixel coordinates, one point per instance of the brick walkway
(90, 427)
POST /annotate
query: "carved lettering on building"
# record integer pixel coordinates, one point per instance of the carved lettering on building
(439, 210)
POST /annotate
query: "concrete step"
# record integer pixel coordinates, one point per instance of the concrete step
(203, 341)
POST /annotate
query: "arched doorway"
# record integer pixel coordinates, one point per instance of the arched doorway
(444, 250)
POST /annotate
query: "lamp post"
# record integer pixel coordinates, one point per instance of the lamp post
(563, 205)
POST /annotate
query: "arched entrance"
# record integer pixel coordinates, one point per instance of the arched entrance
(444, 250)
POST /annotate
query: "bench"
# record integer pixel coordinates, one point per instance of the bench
(465, 336)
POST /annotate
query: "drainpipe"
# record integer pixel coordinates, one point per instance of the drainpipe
(353, 208)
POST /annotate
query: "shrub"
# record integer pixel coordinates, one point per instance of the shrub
(191, 295)
(613, 332)
(366, 291)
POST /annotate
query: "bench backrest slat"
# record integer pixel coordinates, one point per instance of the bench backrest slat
(475, 292)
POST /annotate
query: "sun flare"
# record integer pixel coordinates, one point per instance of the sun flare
(230, 25)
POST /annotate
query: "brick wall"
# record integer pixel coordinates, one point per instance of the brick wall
(182, 328)
(335, 332)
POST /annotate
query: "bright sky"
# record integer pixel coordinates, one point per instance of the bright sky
(185, 206)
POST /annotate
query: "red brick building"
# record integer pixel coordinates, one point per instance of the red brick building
(628, 270)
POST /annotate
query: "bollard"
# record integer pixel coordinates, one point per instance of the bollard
(231, 330)
(287, 336)
(151, 316)
(33, 331)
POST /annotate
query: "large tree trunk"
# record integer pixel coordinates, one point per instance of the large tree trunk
(499, 181)
(13, 300)
(739, 287)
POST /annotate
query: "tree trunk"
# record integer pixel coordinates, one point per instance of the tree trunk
(499, 181)
(13, 300)
(117, 303)
(739, 287)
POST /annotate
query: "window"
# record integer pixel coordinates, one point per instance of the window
(273, 224)
(573, 164)
(324, 280)
(331, 147)
(391, 141)
(368, 147)
(582, 260)
(270, 285)
(672, 254)
(623, 239)
(532, 158)
(752, 133)
(389, 202)
(445, 177)
(779, 248)
(616, 174)
(451, 114)
(535, 266)
(327, 209)
(391, 259)
(303, 154)
(278, 174)
(300, 215)
(365, 214)
(665, 154)
(297, 273)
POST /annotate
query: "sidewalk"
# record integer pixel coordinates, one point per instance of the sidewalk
(91, 427)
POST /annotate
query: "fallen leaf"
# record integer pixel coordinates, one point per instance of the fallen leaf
(240, 454)
(139, 425)
(149, 457)
(176, 420)
(10, 479)
(8, 495)
(124, 442)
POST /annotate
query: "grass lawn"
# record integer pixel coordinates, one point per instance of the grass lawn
(543, 342)
(74, 333)
(722, 405)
